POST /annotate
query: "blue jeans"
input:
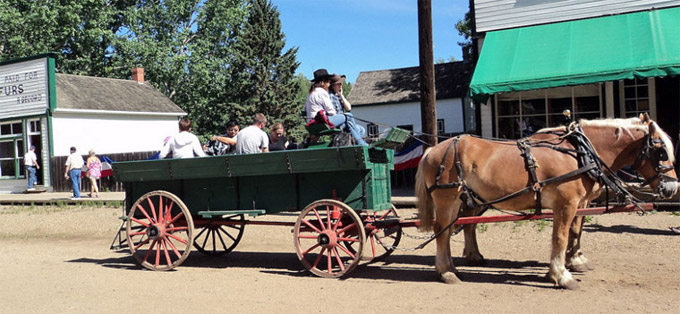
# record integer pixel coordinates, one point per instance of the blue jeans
(32, 179)
(346, 122)
(75, 177)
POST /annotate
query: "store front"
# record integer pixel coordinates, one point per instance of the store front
(612, 66)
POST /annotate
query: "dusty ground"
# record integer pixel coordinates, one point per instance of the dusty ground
(56, 260)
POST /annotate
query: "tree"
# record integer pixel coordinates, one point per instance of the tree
(463, 28)
(81, 32)
(442, 60)
(262, 75)
(186, 48)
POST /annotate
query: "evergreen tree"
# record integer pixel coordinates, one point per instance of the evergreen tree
(263, 76)
(464, 29)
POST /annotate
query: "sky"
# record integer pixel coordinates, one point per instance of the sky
(351, 36)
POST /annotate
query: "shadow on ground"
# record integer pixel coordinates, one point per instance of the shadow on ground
(398, 268)
(619, 229)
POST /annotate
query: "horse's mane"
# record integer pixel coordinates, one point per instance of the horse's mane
(634, 124)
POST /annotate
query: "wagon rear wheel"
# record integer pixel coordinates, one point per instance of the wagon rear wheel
(381, 239)
(220, 237)
(320, 234)
(159, 230)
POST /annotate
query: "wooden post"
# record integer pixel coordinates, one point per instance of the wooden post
(428, 110)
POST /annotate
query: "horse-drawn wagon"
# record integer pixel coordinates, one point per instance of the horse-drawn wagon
(344, 196)
(174, 204)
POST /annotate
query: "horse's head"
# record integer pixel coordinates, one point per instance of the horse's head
(655, 160)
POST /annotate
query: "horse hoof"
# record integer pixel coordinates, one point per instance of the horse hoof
(449, 278)
(579, 268)
(570, 284)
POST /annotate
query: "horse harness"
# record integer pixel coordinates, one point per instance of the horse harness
(656, 155)
(589, 161)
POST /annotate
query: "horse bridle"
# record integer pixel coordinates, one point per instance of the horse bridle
(655, 155)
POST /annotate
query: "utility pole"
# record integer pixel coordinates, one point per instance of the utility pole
(428, 110)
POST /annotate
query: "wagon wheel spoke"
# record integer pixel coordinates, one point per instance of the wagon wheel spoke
(308, 224)
(322, 248)
(382, 240)
(153, 209)
(219, 234)
(226, 233)
(318, 218)
(169, 227)
(143, 211)
(337, 259)
(215, 239)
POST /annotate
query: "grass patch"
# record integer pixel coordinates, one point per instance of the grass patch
(541, 224)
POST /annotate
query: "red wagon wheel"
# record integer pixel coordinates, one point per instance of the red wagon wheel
(218, 238)
(159, 230)
(320, 234)
(380, 241)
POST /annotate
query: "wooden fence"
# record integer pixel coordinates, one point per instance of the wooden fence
(107, 184)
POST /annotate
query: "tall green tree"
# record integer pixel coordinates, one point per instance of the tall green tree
(464, 29)
(263, 75)
(82, 32)
(185, 47)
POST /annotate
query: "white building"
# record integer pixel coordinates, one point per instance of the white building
(390, 98)
(57, 111)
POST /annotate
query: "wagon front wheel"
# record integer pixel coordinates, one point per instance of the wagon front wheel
(159, 230)
(321, 232)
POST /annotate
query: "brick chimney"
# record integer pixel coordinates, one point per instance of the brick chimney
(138, 75)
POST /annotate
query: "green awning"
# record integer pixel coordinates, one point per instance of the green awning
(642, 44)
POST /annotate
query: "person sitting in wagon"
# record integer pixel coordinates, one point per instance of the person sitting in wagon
(252, 139)
(319, 100)
(184, 144)
(225, 143)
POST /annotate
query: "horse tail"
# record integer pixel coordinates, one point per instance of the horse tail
(423, 198)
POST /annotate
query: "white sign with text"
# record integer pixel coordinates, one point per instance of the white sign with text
(23, 89)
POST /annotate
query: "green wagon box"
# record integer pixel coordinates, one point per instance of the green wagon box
(338, 191)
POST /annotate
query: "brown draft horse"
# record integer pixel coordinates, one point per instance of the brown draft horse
(494, 169)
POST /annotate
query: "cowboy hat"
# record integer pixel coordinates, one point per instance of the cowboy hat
(320, 75)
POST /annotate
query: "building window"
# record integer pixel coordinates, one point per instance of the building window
(372, 130)
(10, 128)
(440, 126)
(636, 97)
(10, 161)
(12, 149)
(520, 114)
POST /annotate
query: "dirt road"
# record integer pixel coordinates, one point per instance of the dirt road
(56, 260)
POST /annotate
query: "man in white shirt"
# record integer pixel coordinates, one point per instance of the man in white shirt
(184, 144)
(252, 139)
(74, 164)
(31, 164)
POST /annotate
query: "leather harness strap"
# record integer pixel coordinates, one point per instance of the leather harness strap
(472, 199)
(530, 164)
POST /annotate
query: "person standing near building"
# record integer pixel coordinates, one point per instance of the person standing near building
(31, 163)
(252, 139)
(94, 172)
(74, 165)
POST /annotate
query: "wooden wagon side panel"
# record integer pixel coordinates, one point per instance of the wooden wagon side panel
(275, 182)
